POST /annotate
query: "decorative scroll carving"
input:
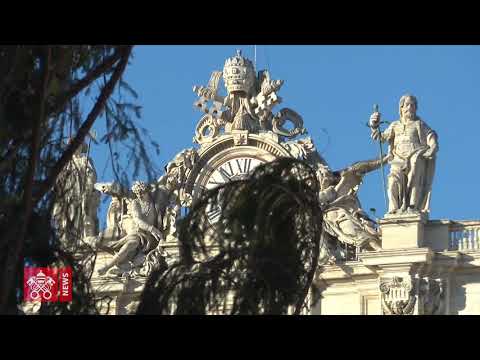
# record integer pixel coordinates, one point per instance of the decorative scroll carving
(208, 128)
(283, 116)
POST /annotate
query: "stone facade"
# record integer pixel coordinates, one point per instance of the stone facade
(424, 269)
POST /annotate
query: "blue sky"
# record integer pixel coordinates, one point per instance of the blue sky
(334, 89)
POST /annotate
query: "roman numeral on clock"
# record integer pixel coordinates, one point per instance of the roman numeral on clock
(213, 213)
(245, 167)
(232, 169)
(225, 174)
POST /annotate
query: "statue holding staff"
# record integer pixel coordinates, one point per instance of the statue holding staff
(413, 146)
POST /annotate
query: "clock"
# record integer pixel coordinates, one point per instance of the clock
(231, 157)
(237, 168)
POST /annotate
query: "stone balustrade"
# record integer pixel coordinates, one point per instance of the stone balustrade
(464, 235)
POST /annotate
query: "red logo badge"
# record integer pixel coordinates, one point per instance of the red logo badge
(44, 284)
(65, 284)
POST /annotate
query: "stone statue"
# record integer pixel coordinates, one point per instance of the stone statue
(77, 200)
(146, 220)
(173, 182)
(141, 233)
(343, 216)
(412, 151)
(247, 106)
(239, 78)
(116, 209)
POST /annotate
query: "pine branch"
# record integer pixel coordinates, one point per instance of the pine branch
(13, 255)
(7, 79)
(83, 131)
(9, 156)
(94, 74)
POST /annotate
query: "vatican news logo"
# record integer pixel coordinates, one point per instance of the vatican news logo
(47, 284)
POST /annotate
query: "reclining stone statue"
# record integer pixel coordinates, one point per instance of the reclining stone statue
(138, 226)
(140, 221)
(344, 219)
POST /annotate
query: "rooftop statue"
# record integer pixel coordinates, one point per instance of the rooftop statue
(139, 222)
(77, 201)
(141, 234)
(344, 219)
(413, 146)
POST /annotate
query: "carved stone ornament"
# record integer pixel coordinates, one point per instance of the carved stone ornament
(304, 149)
(246, 117)
(398, 297)
(247, 106)
(283, 116)
(240, 137)
(208, 128)
(208, 94)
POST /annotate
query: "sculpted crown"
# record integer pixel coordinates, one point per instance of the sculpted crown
(238, 73)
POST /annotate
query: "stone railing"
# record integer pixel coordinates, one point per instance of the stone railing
(464, 235)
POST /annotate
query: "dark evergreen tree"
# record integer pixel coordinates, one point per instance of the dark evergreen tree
(41, 89)
(258, 258)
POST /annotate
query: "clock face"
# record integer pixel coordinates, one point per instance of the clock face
(230, 158)
(233, 169)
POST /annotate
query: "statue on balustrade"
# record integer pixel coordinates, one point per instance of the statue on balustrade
(413, 146)
(76, 199)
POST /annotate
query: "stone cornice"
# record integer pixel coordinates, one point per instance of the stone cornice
(344, 271)
(397, 256)
(404, 218)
